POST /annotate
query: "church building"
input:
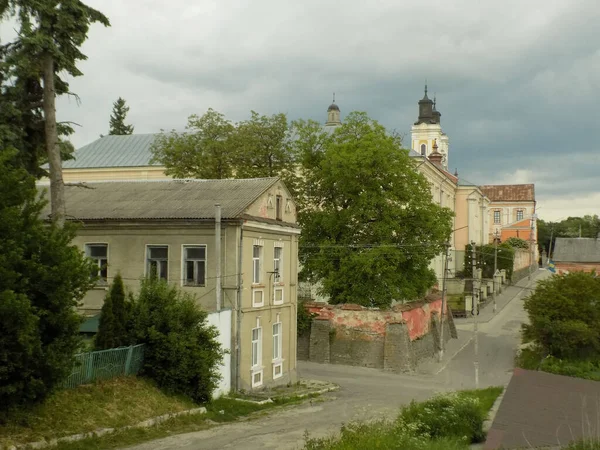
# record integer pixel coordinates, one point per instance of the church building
(427, 132)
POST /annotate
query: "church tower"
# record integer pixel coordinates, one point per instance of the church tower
(333, 115)
(427, 130)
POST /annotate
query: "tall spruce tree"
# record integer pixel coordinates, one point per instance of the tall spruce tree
(50, 35)
(42, 278)
(117, 119)
(114, 320)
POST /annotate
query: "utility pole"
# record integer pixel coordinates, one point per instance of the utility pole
(550, 246)
(219, 287)
(531, 252)
(495, 268)
(475, 311)
(444, 302)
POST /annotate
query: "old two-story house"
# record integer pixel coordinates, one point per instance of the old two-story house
(170, 227)
(512, 213)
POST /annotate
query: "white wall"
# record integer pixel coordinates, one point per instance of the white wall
(222, 321)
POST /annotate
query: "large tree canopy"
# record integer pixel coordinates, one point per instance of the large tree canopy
(369, 227)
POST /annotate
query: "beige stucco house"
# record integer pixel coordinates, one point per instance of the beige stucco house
(168, 226)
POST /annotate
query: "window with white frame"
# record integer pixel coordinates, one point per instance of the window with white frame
(257, 251)
(519, 214)
(258, 298)
(497, 216)
(157, 261)
(257, 356)
(278, 296)
(99, 254)
(277, 350)
(194, 265)
(278, 264)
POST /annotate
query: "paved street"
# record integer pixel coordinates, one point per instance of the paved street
(369, 393)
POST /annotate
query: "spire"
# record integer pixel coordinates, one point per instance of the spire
(334, 97)
(434, 101)
(425, 96)
(425, 109)
(333, 114)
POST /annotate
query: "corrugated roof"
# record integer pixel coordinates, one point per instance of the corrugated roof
(509, 192)
(164, 199)
(545, 410)
(114, 151)
(585, 250)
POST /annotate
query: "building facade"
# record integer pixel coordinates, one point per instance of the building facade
(169, 228)
(577, 255)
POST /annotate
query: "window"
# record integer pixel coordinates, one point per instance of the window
(256, 263)
(277, 349)
(157, 261)
(256, 356)
(519, 214)
(278, 264)
(496, 216)
(278, 207)
(99, 254)
(423, 149)
(258, 298)
(194, 265)
(278, 296)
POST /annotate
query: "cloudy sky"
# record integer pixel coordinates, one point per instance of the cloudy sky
(517, 83)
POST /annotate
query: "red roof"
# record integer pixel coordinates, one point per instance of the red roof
(509, 192)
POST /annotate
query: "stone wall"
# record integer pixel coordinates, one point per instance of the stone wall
(396, 339)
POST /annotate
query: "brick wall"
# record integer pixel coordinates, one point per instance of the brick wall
(562, 267)
(396, 339)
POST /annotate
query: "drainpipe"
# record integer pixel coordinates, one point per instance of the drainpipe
(238, 313)
(219, 288)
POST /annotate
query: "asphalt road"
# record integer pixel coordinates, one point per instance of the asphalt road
(369, 393)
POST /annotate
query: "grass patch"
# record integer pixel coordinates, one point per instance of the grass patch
(534, 359)
(450, 422)
(106, 404)
(586, 444)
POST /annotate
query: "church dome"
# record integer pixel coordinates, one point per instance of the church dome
(333, 107)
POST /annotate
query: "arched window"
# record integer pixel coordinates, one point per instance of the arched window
(423, 149)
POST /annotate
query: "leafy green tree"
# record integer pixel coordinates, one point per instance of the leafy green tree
(50, 35)
(117, 118)
(263, 146)
(182, 352)
(42, 278)
(516, 242)
(373, 228)
(485, 255)
(564, 317)
(113, 329)
(205, 150)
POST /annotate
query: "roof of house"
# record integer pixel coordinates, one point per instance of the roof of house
(161, 199)
(584, 250)
(509, 192)
(541, 409)
(114, 151)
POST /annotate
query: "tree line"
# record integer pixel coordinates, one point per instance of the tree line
(587, 227)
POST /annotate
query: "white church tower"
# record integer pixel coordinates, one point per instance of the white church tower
(333, 115)
(427, 130)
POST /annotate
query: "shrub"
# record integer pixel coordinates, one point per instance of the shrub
(304, 319)
(446, 416)
(182, 351)
(113, 328)
(564, 315)
(516, 242)
(42, 278)
(485, 259)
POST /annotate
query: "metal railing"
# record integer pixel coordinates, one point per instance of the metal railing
(105, 364)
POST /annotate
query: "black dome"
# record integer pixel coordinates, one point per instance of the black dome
(333, 107)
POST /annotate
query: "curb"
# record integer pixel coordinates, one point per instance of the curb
(306, 394)
(104, 431)
(487, 424)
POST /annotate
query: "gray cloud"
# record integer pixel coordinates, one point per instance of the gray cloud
(517, 83)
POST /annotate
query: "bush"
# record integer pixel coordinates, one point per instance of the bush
(485, 259)
(304, 319)
(42, 278)
(113, 328)
(182, 352)
(516, 242)
(564, 317)
(446, 416)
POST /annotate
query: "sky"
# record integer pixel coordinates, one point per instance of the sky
(517, 83)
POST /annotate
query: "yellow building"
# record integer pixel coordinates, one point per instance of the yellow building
(169, 227)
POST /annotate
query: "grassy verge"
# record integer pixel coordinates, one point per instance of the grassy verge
(108, 404)
(450, 422)
(534, 359)
(117, 403)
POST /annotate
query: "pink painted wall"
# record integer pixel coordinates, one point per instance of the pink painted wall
(372, 322)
